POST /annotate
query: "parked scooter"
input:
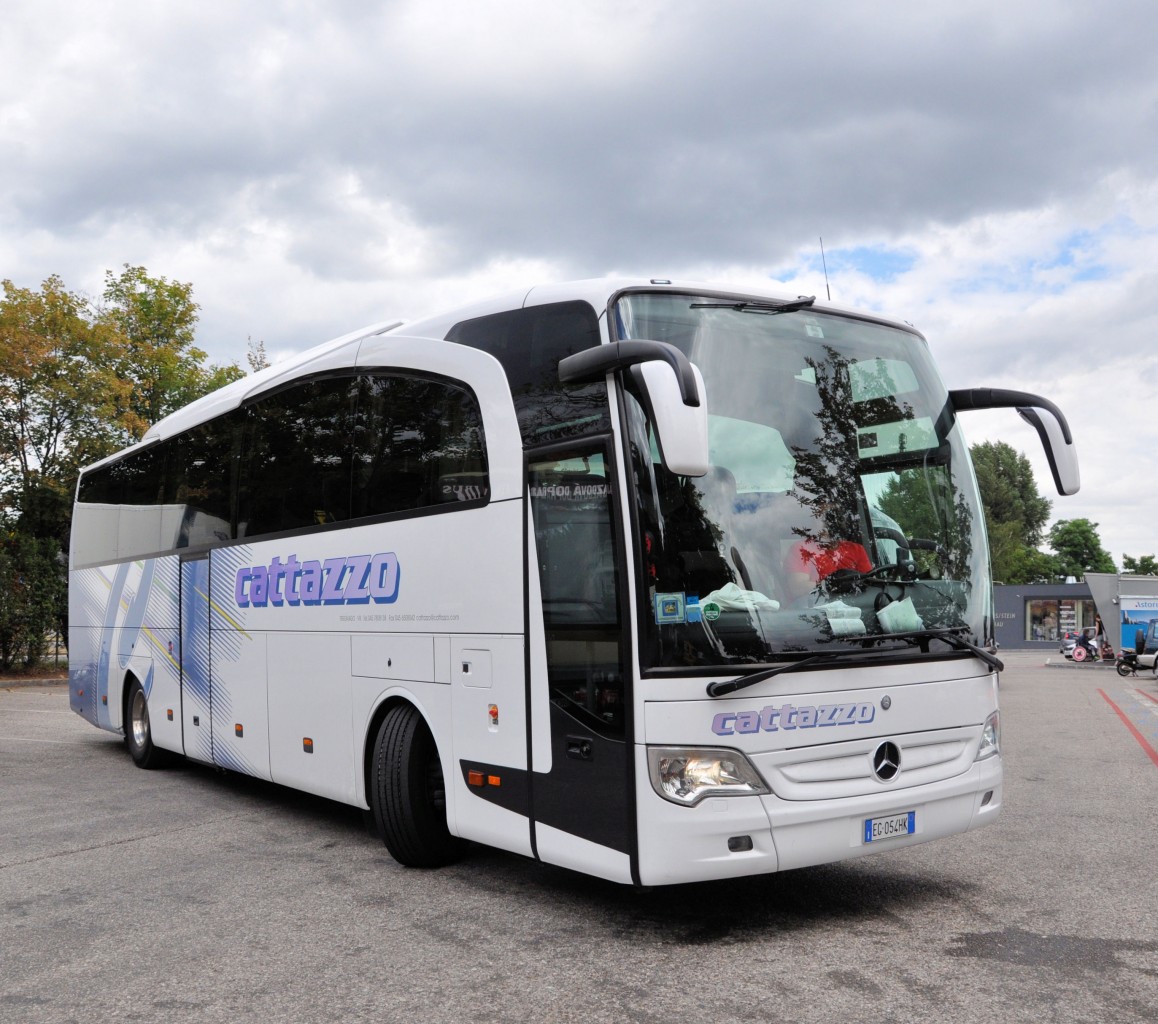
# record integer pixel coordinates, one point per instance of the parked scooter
(1130, 663)
(1127, 664)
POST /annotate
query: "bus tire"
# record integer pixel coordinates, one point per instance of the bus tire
(138, 733)
(408, 792)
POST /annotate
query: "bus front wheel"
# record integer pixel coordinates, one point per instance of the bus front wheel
(408, 792)
(138, 734)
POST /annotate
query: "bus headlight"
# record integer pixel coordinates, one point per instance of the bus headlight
(685, 775)
(990, 737)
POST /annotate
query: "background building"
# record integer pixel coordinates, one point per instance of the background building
(1036, 616)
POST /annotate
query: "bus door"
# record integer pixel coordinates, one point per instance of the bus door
(196, 680)
(581, 782)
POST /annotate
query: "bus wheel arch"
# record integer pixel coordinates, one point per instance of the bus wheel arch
(137, 727)
(406, 789)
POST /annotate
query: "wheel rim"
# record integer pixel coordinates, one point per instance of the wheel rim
(139, 719)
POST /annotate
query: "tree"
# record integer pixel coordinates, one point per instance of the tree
(1079, 549)
(63, 402)
(256, 356)
(33, 595)
(1015, 514)
(157, 318)
(1147, 565)
(1009, 491)
(77, 383)
(1016, 562)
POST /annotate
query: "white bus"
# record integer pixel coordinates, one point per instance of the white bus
(656, 582)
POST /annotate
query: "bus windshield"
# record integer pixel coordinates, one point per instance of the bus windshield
(840, 509)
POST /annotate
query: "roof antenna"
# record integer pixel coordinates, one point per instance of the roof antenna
(825, 265)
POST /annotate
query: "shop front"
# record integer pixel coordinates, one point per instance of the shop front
(1037, 616)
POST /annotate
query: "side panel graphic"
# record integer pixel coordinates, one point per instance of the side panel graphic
(196, 682)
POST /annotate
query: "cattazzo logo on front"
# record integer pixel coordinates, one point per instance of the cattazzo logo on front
(789, 717)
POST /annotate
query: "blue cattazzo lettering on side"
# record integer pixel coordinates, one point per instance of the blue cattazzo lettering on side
(355, 579)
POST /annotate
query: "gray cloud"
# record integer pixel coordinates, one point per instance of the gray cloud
(311, 166)
(735, 130)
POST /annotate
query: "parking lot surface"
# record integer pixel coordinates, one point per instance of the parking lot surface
(193, 895)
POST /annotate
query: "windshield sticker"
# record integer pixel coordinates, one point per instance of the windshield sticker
(692, 608)
(670, 608)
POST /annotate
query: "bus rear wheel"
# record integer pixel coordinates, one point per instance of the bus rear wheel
(408, 792)
(138, 734)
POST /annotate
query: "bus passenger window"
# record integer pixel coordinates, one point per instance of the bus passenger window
(417, 443)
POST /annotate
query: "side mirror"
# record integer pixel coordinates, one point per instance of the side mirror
(673, 393)
(682, 430)
(1045, 417)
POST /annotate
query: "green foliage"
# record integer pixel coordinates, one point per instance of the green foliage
(1147, 565)
(1014, 561)
(157, 318)
(1009, 490)
(256, 356)
(63, 402)
(1015, 514)
(33, 594)
(78, 382)
(1079, 549)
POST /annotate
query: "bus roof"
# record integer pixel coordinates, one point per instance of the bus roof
(343, 351)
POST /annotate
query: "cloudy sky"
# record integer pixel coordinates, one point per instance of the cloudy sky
(986, 170)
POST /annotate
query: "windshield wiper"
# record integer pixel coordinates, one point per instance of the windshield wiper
(948, 636)
(951, 637)
(720, 689)
(767, 308)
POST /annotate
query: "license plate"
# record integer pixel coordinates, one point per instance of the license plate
(892, 827)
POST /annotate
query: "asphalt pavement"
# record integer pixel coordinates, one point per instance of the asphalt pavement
(193, 895)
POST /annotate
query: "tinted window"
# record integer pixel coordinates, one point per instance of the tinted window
(320, 452)
(529, 343)
(136, 480)
(418, 443)
(296, 466)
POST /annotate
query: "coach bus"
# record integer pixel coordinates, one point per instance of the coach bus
(655, 582)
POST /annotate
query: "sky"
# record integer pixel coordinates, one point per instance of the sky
(987, 171)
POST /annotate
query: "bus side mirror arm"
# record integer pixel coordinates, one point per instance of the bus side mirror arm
(1040, 413)
(597, 362)
(673, 394)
